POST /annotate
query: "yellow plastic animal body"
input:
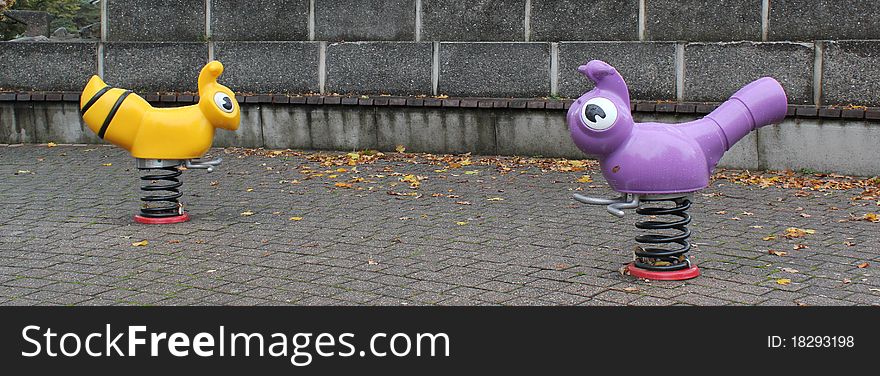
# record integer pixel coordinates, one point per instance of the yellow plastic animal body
(130, 122)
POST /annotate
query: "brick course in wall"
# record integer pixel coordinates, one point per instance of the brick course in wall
(859, 113)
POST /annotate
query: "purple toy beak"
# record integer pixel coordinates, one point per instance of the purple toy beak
(606, 78)
(585, 70)
(595, 70)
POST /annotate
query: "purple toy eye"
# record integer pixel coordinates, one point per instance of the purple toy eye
(599, 114)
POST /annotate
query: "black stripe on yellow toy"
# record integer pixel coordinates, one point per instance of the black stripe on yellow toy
(112, 113)
(94, 99)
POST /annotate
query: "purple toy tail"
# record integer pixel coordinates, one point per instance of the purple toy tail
(765, 98)
(762, 102)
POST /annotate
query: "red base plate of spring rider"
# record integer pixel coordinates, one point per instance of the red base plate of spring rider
(675, 275)
(161, 220)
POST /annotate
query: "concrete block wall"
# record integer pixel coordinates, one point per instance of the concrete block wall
(823, 51)
(798, 143)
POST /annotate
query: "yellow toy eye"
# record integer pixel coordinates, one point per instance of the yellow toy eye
(223, 102)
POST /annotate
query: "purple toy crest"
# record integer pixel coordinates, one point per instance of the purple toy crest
(659, 158)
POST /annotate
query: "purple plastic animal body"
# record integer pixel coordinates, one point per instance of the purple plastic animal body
(659, 158)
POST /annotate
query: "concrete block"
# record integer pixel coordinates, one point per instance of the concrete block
(851, 73)
(823, 20)
(360, 20)
(39, 122)
(648, 68)
(47, 65)
(260, 20)
(825, 146)
(714, 71)
(721, 20)
(453, 131)
(495, 69)
(286, 127)
(564, 20)
(9, 129)
(269, 67)
(473, 20)
(26, 129)
(743, 155)
(335, 129)
(171, 67)
(249, 133)
(158, 20)
(401, 68)
(534, 133)
(61, 122)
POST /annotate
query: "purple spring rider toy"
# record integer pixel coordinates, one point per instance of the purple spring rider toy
(655, 164)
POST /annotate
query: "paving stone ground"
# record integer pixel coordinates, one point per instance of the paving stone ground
(475, 235)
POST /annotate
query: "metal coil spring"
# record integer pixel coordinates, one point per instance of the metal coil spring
(164, 204)
(665, 259)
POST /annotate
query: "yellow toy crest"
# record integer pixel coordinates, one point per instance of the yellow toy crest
(130, 122)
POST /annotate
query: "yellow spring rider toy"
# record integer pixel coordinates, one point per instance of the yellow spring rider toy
(162, 139)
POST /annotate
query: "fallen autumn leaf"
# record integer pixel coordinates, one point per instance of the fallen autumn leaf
(794, 232)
